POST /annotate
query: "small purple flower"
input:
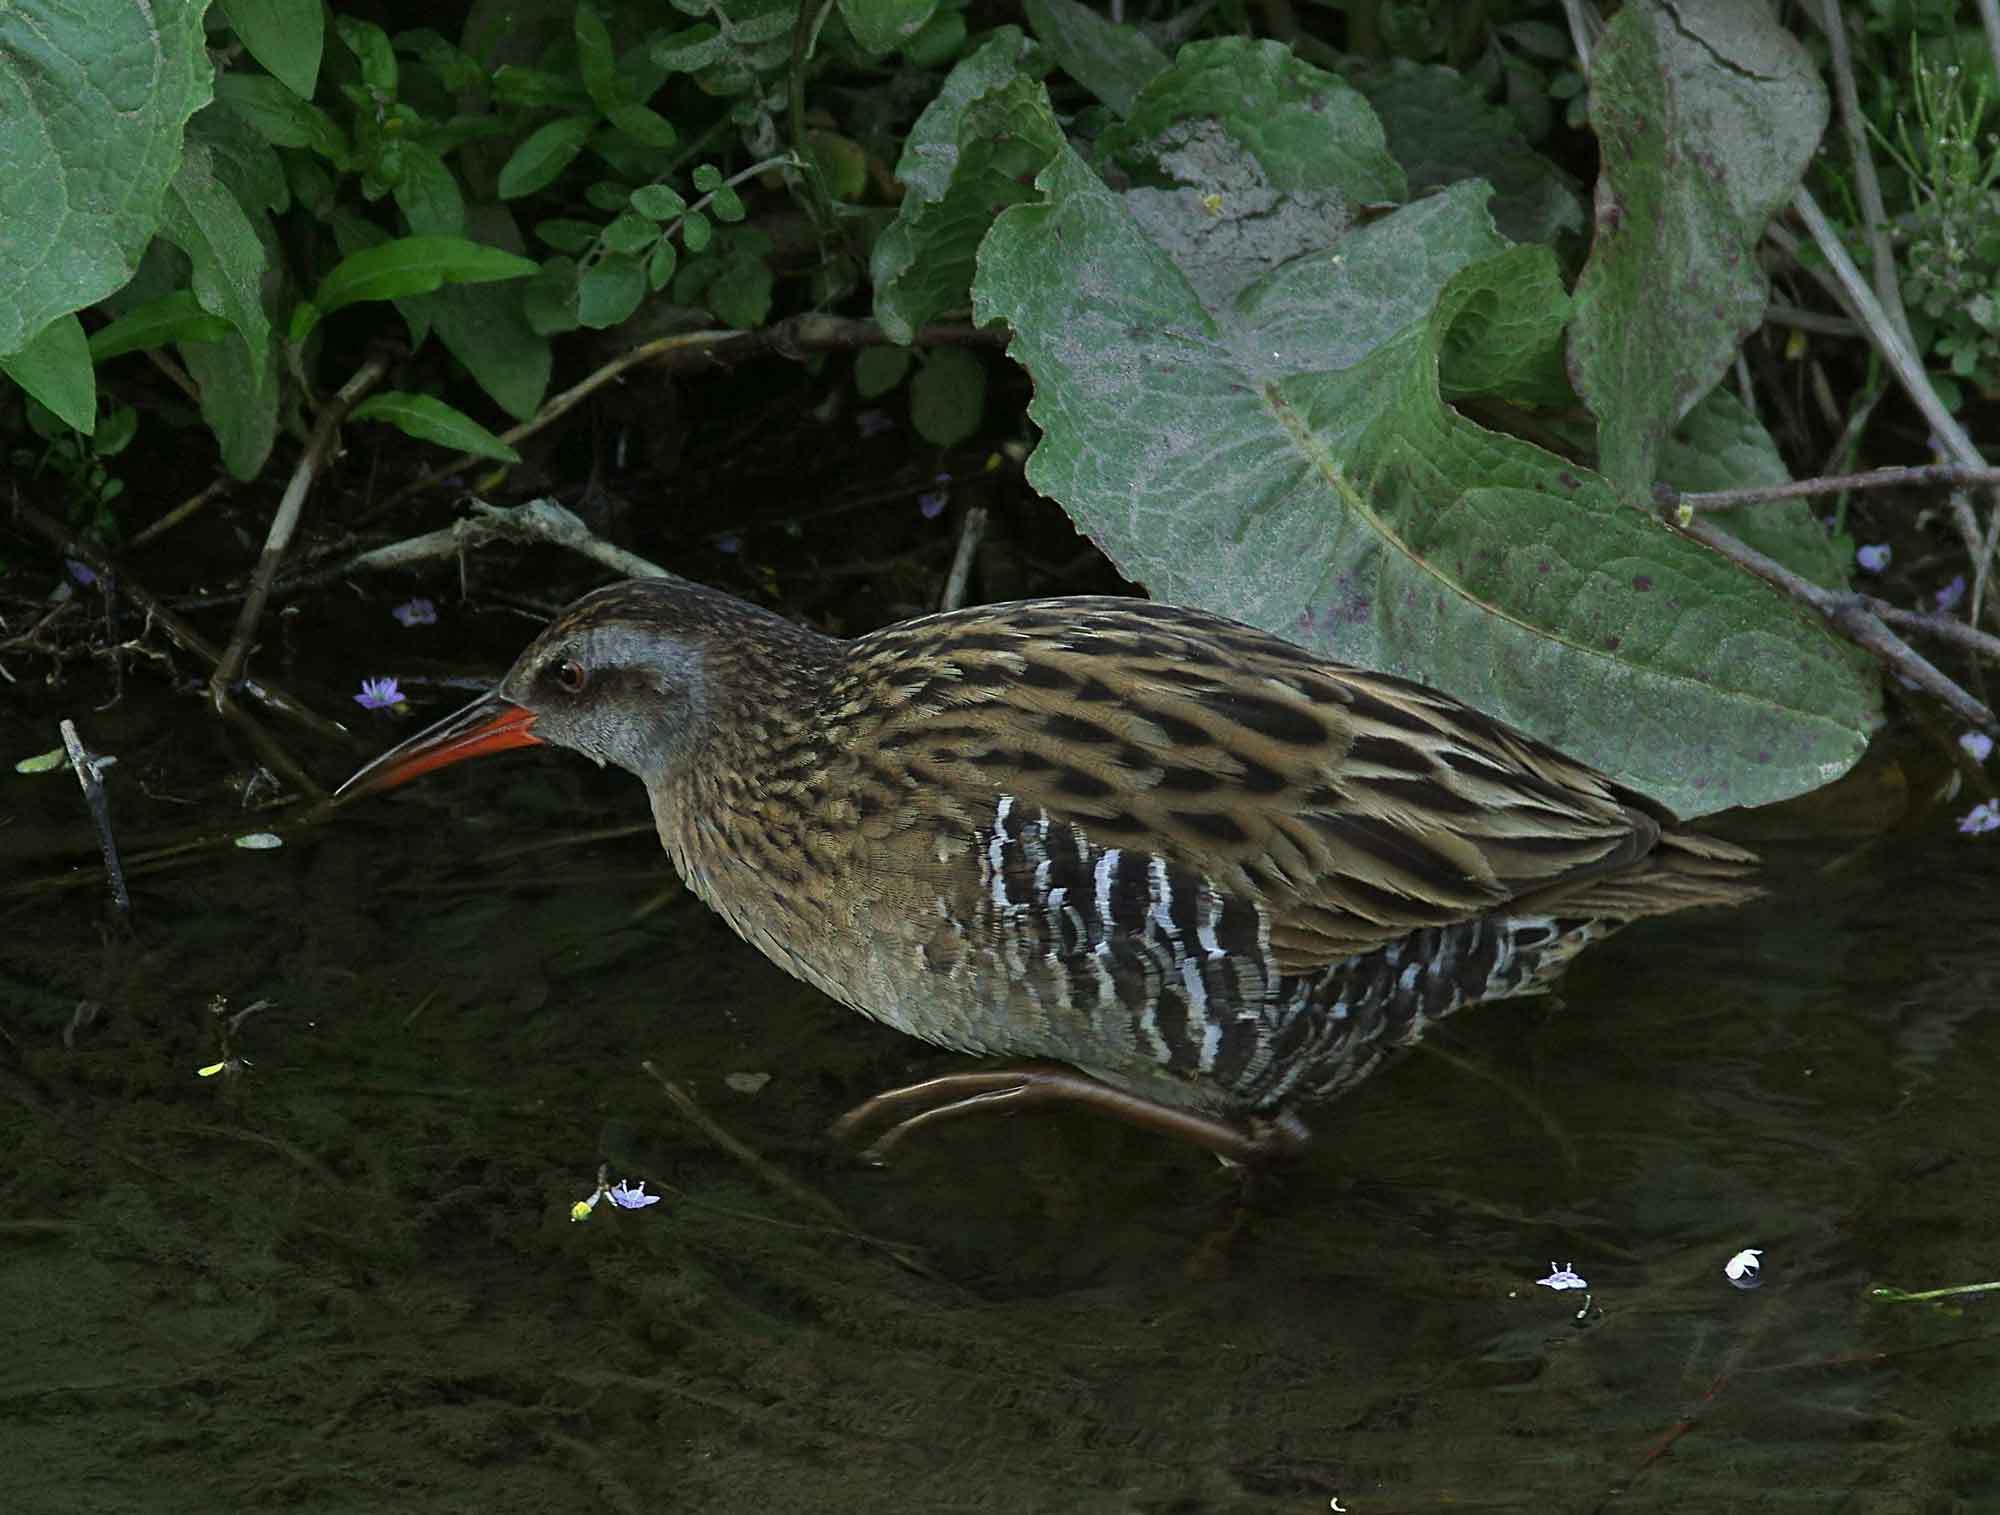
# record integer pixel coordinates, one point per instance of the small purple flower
(1978, 744)
(872, 423)
(932, 505)
(1565, 1277)
(417, 612)
(378, 694)
(1874, 558)
(729, 543)
(634, 1198)
(1981, 818)
(1949, 596)
(80, 572)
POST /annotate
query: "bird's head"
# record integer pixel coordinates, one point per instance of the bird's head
(621, 676)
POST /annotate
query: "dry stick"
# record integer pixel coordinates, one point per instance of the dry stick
(86, 768)
(1867, 186)
(790, 339)
(961, 563)
(1887, 341)
(1876, 478)
(1947, 628)
(181, 512)
(319, 449)
(1849, 614)
(194, 643)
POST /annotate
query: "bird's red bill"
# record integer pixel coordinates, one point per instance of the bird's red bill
(486, 725)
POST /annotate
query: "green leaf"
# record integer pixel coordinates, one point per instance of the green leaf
(707, 177)
(883, 26)
(486, 328)
(660, 264)
(371, 49)
(974, 151)
(610, 290)
(739, 291)
(428, 194)
(414, 265)
(1279, 450)
(727, 205)
(281, 118)
(692, 50)
(431, 420)
(948, 396)
(177, 317)
(1441, 130)
(1706, 114)
(538, 89)
(539, 161)
(631, 233)
(115, 432)
(877, 370)
(1113, 62)
(643, 125)
(286, 36)
(657, 202)
(595, 58)
(567, 236)
(93, 98)
(695, 231)
(203, 219)
(239, 399)
(55, 369)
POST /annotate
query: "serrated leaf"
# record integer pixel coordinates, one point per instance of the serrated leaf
(975, 150)
(96, 99)
(1706, 113)
(177, 317)
(1113, 62)
(1281, 453)
(431, 420)
(286, 36)
(539, 161)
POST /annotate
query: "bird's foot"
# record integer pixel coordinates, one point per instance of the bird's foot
(1261, 1141)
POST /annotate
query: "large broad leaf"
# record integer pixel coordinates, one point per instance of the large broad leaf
(92, 101)
(1706, 113)
(974, 151)
(1280, 450)
(1113, 62)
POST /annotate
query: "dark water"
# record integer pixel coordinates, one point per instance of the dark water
(346, 1279)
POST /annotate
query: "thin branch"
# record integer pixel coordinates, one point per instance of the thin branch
(1849, 614)
(312, 462)
(1925, 475)
(1867, 186)
(969, 536)
(1947, 628)
(87, 769)
(787, 339)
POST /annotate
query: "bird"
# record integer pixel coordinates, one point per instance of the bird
(1179, 870)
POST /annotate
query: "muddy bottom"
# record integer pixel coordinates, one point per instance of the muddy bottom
(342, 1274)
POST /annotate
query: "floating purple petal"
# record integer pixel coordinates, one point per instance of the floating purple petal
(417, 612)
(378, 694)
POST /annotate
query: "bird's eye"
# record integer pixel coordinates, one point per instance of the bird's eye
(571, 675)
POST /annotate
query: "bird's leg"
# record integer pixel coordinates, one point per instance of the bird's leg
(1010, 1089)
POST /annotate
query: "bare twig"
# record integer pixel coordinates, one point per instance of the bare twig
(181, 512)
(1947, 628)
(87, 769)
(1903, 363)
(969, 535)
(319, 449)
(1849, 614)
(184, 636)
(789, 339)
(538, 521)
(1867, 186)
(1928, 474)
